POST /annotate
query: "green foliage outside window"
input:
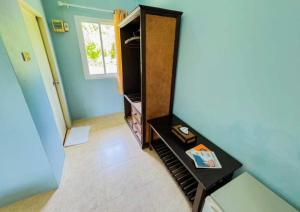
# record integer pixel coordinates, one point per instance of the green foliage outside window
(92, 51)
(112, 51)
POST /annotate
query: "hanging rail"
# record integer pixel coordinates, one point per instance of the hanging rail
(63, 4)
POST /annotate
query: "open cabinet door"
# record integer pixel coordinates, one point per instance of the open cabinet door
(45, 69)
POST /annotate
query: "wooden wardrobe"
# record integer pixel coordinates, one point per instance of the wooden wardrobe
(149, 45)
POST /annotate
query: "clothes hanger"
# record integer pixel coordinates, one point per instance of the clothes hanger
(129, 40)
(133, 38)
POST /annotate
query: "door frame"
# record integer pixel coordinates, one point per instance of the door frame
(42, 24)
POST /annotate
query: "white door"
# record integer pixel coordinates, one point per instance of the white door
(43, 62)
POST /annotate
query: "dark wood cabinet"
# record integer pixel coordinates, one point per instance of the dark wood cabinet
(149, 45)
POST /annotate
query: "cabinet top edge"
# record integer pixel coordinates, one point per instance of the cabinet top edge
(160, 11)
(148, 10)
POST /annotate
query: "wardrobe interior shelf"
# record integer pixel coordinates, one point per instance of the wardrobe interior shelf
(133, 97)
(135, 101)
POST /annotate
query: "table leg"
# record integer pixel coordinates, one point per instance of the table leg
(151, 138)
(199, 199)
(202, 193)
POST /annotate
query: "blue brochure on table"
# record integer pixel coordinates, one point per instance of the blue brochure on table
(199, 162)
(206, 159)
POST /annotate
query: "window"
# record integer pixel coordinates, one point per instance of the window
(97, 47)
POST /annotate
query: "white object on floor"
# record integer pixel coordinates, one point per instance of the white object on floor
(246, 194)
(78, 135)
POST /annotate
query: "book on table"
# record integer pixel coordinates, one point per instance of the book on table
(204, 157)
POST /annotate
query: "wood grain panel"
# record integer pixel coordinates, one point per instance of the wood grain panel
(160, 38)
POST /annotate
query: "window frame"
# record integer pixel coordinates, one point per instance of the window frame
(83, 54)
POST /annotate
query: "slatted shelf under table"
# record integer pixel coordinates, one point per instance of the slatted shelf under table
(182, 176)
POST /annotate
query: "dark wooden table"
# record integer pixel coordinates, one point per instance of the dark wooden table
(208, 180)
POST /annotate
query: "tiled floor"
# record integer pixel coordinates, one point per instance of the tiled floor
(109, 173)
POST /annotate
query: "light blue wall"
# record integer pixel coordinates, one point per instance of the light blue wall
(24, 167)
(86, 98)
(15, 37)
(238, 83)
